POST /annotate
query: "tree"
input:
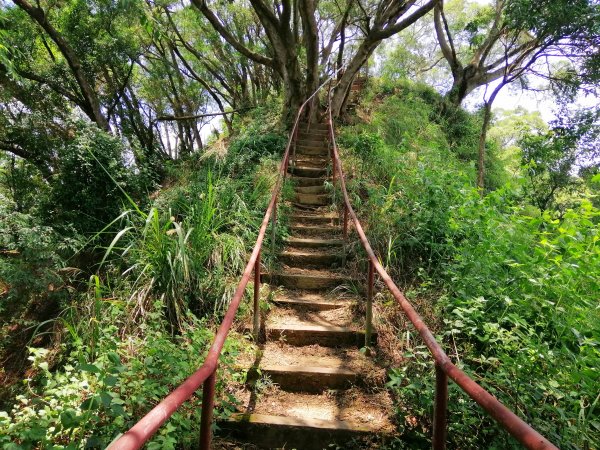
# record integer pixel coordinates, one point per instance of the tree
(512, 35)
(550, 159)
(507, 40)
(294, 44)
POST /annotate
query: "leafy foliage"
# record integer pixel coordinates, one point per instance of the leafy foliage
(82, 193)
(90, 401)
(517, 290)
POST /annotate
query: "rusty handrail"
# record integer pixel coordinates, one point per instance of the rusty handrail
(148, 425)
(512, 423)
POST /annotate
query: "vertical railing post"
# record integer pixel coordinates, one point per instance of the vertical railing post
(440, 409)
(295, 144)
(345, 248)
(273, 230)
(345, 221)
(256, 327)
(369, 315)
(208, 400)
(332, 151)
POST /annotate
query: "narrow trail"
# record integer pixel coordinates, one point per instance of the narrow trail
(325, 391)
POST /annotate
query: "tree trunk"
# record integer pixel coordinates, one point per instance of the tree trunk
(311, 43)
(363, 53)
(487, 116)
(481, 153)
(90, 104)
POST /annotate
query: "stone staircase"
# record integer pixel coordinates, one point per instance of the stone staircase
(312, 386)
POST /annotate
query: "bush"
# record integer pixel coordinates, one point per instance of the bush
(517, 291)
(91, 400)
(245, 152)
(82, 192)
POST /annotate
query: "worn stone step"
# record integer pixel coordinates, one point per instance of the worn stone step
(313, 242)
(314, 141)
(278, 432)
(312, 199)
(307, 181)
(309, 172)
(310, 161)
(344, 317)
(329, 218)
(310, 280)
(312, 150)
(311, 189)
(315, 368)
(309, 377)
(303, 258)
(304, 126)
(319, 135)
(311, 301)
(312, 230)
(312, 369)
(307, 334)
(324, 146)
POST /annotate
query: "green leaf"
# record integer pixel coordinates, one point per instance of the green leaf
(90, 404)
(110, 381)
(114, 358)
(69, 419)
(88, 368)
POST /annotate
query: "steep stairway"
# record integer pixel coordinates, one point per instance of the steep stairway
(311, 386)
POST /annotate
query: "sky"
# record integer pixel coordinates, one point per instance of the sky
(511, 97)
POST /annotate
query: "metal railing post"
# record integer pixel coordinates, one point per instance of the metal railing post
(440, 409)
(345, 248)
(332, 152)
(369, 315)
(273, 231)
(208, 400)
(345, 222)
(295, 144)
(256, 327)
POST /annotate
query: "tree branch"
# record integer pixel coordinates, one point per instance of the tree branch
(197, 116)
(90, 96)
(218, 26)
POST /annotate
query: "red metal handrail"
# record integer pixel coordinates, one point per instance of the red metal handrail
(512, 423)
(205, 376)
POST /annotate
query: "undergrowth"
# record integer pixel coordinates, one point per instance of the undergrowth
(515, 291)
(167, 274)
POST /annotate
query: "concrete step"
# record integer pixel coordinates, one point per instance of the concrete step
(312, 199)
(314, 141)
(310, 161)
(309, 172)
(322, 145)
(311, 190)
(280, 432)
(314, 242)
(318, 136)
(311, 301)
(312, 230)
(308, 377)
(304, 258)
(304, 126)
(308, 181)
(310, 280)
(325, 218)
(315, 368)
(312, 150)
(326, 336)
(343, 316)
